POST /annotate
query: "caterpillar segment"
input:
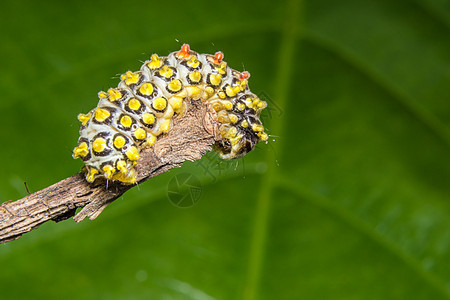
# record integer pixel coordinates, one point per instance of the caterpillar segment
(132, 115)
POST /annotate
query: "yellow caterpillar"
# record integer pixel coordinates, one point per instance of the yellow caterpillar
(131, 116)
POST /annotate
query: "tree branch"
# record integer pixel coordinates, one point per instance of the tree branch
(191, 136)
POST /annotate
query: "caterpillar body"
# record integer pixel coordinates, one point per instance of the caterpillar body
(132, 116)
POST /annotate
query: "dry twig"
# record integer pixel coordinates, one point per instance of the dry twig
(191, 136)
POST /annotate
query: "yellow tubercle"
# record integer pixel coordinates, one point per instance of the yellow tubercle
(140, 134)
(233, 118)
(155, 62)
(151, 139)
(222, 69)
(244, 123)
(122, 166)
(209, 90)
(195, 76)
(81, 151)
(132, 153)
(263, 136)
(129, 177)
(146, 89)
(99, 145)
(148, 118)
(262, 104)
(108, 170)
(102, 95)
(114, 94)
(257, 128)
(193, 62)
(84, 118)
(90, 177)
(166, 72)
(240, 106)
(134, 104)
(231, 92)
(119, 142)
(130, 78)
(159, 103)
(215, 79)
(126, 121)
(228, 105)
(175, 85)
(232, 132)
(222, 95)
(165, 125)
(175, 102)
(101, 114)
(193, 92)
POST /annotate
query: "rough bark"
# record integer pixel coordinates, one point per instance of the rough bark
(191, 136)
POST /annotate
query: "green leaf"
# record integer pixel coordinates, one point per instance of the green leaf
(349, 200)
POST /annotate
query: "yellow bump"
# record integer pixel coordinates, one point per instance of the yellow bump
(146, 89)
(240, 106)
(134, 104)
(151, 139)
(193, 62)
(209, 90)
(91, 174)
(217, 106)
(175, 85)
(221, 119)
(231, 92)
(84, 118)
(257, 127)
(175, 102)
(195, 76)
(140, 134)
(102, 95)
(232, 132)
(242, 85)
(166, 72)
(233, 118)
(154, 62)
(159, 103)
(126, 121)
(130, 78)
(165, 125)
(222, 95)
(262, 104)
(132, 153)
(215, 79)
(148, 118)
(108, 170)
(99, 145)
(114, 94)
(81, 151)
(244, 123)
(101, 114)
(119, 142)
(193, 92)
(263, 136)
(228, 105)
(222, 68)
(122, 166)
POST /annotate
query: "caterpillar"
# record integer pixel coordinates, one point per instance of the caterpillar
(132, 115)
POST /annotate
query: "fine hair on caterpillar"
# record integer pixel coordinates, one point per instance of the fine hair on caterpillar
(141, 108)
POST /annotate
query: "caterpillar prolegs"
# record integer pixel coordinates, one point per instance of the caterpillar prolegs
(131, 116)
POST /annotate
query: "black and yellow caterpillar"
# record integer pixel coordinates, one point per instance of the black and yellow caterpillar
(134, 114)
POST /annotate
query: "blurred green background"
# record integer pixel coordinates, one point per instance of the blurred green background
(349, 200)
